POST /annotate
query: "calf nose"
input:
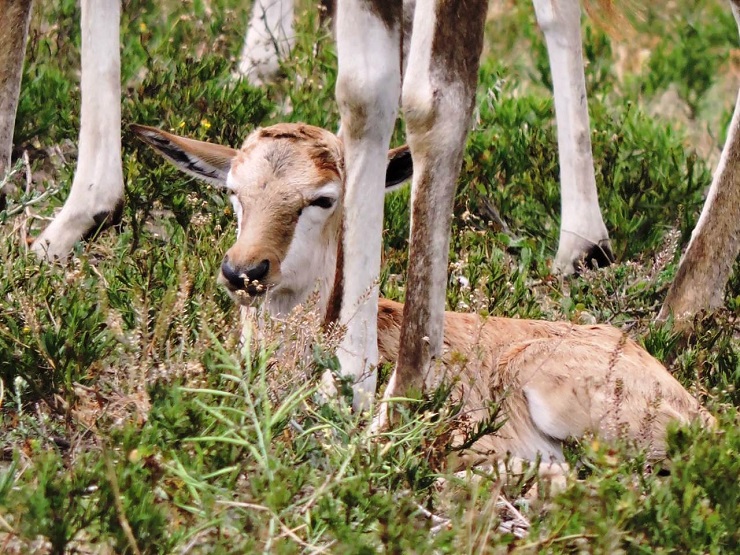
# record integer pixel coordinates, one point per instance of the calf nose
(233, 276)
(258, 271)
(237, 276)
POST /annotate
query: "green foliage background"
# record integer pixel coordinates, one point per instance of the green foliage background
(130, 421)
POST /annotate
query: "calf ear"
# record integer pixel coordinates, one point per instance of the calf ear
(400, 168)
(206, 161)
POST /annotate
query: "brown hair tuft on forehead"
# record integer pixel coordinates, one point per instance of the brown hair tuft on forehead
(320, 146)
(292, 131)
(328, 161)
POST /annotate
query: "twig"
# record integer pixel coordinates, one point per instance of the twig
(511, 527)
(119, 506)
(286, 530)
(9, 173)
(491, 212)
(21, 207)
(503, 502)
(438, 521)
(548, 541)
(100, 276)
(24, 220)
(296, 426)
(29, 181)
(29, 174)
(430, 515)
(194, 541)
(245, 505)
(7, 526)
(6, 542)
(519, 526)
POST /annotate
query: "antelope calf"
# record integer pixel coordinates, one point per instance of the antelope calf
(555, 380)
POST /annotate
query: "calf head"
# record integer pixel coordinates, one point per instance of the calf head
(286, 185)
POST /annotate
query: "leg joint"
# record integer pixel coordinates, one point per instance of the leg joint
(366, 99)
(419, 106)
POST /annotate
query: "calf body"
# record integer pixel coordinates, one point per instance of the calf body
(554, 380)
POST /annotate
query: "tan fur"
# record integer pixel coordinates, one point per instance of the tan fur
(276, 169)
(273, 176)
(555, 380)
(591, 378)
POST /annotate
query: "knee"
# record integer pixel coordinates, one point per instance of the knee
(419, 105)
(436, 117)
(367, 95)
(419, 111)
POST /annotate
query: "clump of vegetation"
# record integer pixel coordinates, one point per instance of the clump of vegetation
(132, 420)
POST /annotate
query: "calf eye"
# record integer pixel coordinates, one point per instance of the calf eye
(322, 202)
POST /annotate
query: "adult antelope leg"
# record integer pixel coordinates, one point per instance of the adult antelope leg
(582, 229)
(438, 98)
(16, 15)
(368, 87)
(96, 197)
(269, 38)
(715, 242)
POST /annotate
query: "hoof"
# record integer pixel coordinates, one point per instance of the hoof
(590, 256)
(104, 220)
(598, 256)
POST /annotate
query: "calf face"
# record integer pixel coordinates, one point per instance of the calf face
(286, 185)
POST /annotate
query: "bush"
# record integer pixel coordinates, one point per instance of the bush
(133, 421)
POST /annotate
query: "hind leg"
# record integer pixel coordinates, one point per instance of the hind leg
(96, 197)
(583, 235)
(438, 97)
(368, 87)
(706, 266)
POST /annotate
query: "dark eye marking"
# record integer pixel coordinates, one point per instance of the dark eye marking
(322, 202)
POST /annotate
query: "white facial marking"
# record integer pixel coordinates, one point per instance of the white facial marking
(311, 258)
(237, 207)
(323, 201)
(231, 184)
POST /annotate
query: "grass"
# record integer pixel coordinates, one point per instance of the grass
(131, 420)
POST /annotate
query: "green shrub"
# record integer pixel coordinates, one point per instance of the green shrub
(131, 419)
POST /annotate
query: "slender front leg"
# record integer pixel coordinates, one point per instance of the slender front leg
(715, 242)
(96, 197)
(583, 235)
(438, 98)
(14, 19)
(368, 88)
(269, 38)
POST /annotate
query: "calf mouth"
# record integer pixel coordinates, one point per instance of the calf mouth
(246, 295)
(255, 289)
